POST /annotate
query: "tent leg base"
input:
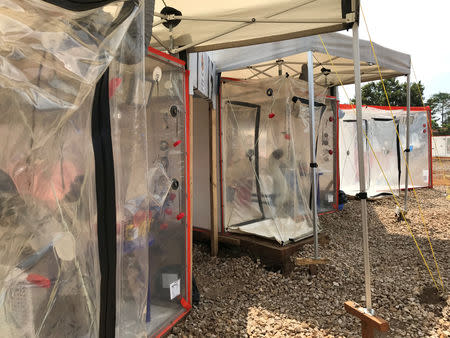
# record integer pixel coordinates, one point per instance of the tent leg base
(312, 264)
(371, 325)
(273, 256)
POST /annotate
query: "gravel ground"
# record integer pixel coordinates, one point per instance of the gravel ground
(441, 171)
(241, 298)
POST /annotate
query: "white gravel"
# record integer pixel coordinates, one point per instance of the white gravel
(241, 298)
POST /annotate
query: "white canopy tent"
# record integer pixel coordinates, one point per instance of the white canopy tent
(266, 60)
(202, 25)
(210, 25)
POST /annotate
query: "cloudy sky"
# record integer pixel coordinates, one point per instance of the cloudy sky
(416, 27)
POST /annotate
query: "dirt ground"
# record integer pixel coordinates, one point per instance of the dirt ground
(239, 297)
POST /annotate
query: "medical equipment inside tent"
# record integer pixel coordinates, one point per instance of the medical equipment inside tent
(75, 194)
(170, 234)
(265, 157)
(380, 129)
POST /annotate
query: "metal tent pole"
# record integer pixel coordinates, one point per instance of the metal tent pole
(362, 178)
(312, 147)
(408, 108)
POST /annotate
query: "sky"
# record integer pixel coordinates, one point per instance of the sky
(416, 27)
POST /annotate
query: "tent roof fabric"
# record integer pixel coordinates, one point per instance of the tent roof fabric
(259, 61)
(379, 111)
(210, 25)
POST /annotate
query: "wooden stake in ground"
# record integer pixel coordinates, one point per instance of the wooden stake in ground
(312, 263)
(370, 324)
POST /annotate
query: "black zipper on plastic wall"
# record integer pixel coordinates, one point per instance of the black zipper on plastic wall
(256, 147)
(399, 152)
(106, 206)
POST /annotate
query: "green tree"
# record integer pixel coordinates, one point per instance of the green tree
(440, 108)
(373, 93)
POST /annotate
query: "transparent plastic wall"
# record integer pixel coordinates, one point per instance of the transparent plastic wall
(348, 153)
(131, 171)
(169, 252)
(383, 138)
(326, 152)
(51, 61)
(420, 145)
(381, 132)
(265, 152)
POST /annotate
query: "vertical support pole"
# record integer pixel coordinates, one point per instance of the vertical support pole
(362, 177)
(214, 193)
(408, 113)
(280, 67)
(191, 177)
(312, 147)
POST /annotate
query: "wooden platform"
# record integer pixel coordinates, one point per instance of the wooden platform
(271, 254)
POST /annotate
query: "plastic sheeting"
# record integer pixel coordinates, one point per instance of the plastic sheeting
(381, 132)
(265, 151)
(327, 156)
(169, 283)
(129, 142)
(51, 60)
(441, 146)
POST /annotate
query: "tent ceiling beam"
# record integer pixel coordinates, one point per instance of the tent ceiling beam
(158, 23)
(263, 71)
(287, 66)
(160, 42)
(253, 20)
(318, 64)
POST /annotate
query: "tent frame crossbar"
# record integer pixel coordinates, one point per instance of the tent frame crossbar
(171, 17)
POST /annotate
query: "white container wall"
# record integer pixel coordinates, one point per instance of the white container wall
(441, 146)
(386, 150)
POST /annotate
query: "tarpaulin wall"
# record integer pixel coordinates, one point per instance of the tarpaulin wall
(381, 132)
(265, 153)
(167, 113)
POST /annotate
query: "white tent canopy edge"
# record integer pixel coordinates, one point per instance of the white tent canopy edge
(202, 25)
(392, 63)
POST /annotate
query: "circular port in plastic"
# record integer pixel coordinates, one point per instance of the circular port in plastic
(174, 111)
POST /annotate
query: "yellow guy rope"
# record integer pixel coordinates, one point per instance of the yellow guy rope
(429, 122)
(382, 171)
(403, 152)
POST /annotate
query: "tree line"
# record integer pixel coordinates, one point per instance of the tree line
(373, 94)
